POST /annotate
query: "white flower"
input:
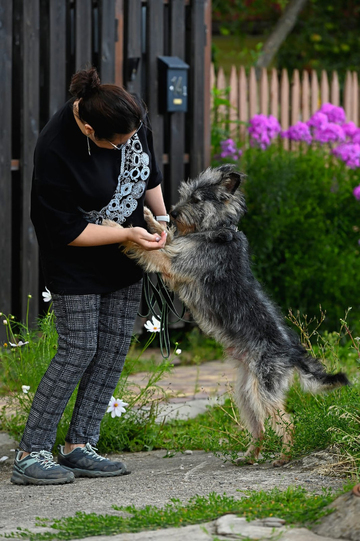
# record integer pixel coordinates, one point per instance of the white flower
(25, 388)
(116, 407)
(19, 344)
(5, 321)
(153, 326)
(46, 295)
(178, 351)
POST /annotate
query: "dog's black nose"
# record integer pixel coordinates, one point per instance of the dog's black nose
(174, 214)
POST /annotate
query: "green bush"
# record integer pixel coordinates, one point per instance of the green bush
(303, 227)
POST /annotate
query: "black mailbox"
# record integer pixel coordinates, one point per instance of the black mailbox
(172, 84)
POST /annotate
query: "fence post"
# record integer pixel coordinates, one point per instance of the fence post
(29, 264)
(5, 159)
(83, 33)
(264, 92)
(355, 98)
(253, 97)
(314, 92)
(234, 103)
(243, 109)
(274, 94)
(324, 88)
(347, 96)
(335, 89)
(285, 104)
(305, 96)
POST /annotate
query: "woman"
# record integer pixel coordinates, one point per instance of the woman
(93, 160)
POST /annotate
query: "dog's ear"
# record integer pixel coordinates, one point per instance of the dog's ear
(230, 178)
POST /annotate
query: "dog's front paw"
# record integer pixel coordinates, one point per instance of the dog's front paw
(153, 225)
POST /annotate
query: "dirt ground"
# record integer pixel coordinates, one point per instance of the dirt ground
(154, 481)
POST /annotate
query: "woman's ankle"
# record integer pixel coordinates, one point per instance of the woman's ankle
(68, 447)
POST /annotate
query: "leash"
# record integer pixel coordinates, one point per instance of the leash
(157, 294)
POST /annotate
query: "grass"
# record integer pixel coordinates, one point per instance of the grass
(294, 505)
(321, 421)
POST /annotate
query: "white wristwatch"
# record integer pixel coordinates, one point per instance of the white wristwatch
(165, 218)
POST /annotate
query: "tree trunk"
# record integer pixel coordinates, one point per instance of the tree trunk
(283, 27)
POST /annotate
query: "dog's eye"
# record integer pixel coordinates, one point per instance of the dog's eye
(195, 198)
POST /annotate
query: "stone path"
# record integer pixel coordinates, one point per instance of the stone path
(156, 479)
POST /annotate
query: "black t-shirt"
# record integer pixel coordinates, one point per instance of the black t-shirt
(72, 188)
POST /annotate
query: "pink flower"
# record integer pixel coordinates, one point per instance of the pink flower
(356, 192)
(263, 129)
(299, 132)
(329, 133)
(230, 150)
(318, 120)
(333, 113)
(350, 129)
(348, 153)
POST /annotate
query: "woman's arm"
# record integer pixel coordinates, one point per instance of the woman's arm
(155, 201)
(99, 235)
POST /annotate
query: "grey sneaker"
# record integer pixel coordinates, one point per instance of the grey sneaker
(39, 468)
(85, 462)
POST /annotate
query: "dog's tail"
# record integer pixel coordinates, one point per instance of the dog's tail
(313, 377)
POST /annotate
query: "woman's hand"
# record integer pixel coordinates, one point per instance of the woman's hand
(145, 239)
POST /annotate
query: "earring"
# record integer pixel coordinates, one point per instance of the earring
(88, 145)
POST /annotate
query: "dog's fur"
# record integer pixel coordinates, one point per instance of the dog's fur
(206, 262)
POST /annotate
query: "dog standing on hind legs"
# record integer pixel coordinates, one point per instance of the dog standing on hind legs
(206, 262)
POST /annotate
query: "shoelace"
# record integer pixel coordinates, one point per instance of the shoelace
(44, 458)
(91, 451)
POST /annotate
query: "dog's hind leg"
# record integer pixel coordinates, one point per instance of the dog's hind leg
(251, 411)
(284, 428)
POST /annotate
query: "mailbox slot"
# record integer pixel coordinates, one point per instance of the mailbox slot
(173, 84)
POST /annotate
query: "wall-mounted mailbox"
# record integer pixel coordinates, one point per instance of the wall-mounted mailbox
(173, 84)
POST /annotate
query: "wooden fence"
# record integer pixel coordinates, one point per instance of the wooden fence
(42, 43)
(274, 94)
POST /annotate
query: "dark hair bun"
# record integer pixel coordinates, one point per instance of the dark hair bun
(84, 83)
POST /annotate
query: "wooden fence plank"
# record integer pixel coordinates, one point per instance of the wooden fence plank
(234, 103)
(314, 92)
(305, 97)
(324, 88)
(243, 101)
(295, 97)
(335, 89)
(264, 92)
(347, 96)
(222, 109)
(212, 88)
(132, 76)
(197, 88)
(274, 94)
(177, 120)
(6, 13)
(206, 100)
(355, 98)
(253, 93)
(83, 34)
(107, 41)
(57, 55)
(284, 115)
(30, 131)
(119, 42)
(155, 48)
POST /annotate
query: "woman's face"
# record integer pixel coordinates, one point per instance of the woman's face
(118, 140)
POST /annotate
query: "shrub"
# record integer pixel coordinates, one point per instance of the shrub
(303, 220)
(303, 228)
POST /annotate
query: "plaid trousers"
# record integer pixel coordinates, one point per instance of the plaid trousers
(94, 337)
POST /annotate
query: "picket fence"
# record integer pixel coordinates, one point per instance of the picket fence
(274, 94)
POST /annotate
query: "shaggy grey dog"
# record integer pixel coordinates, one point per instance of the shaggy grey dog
(206, 261)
